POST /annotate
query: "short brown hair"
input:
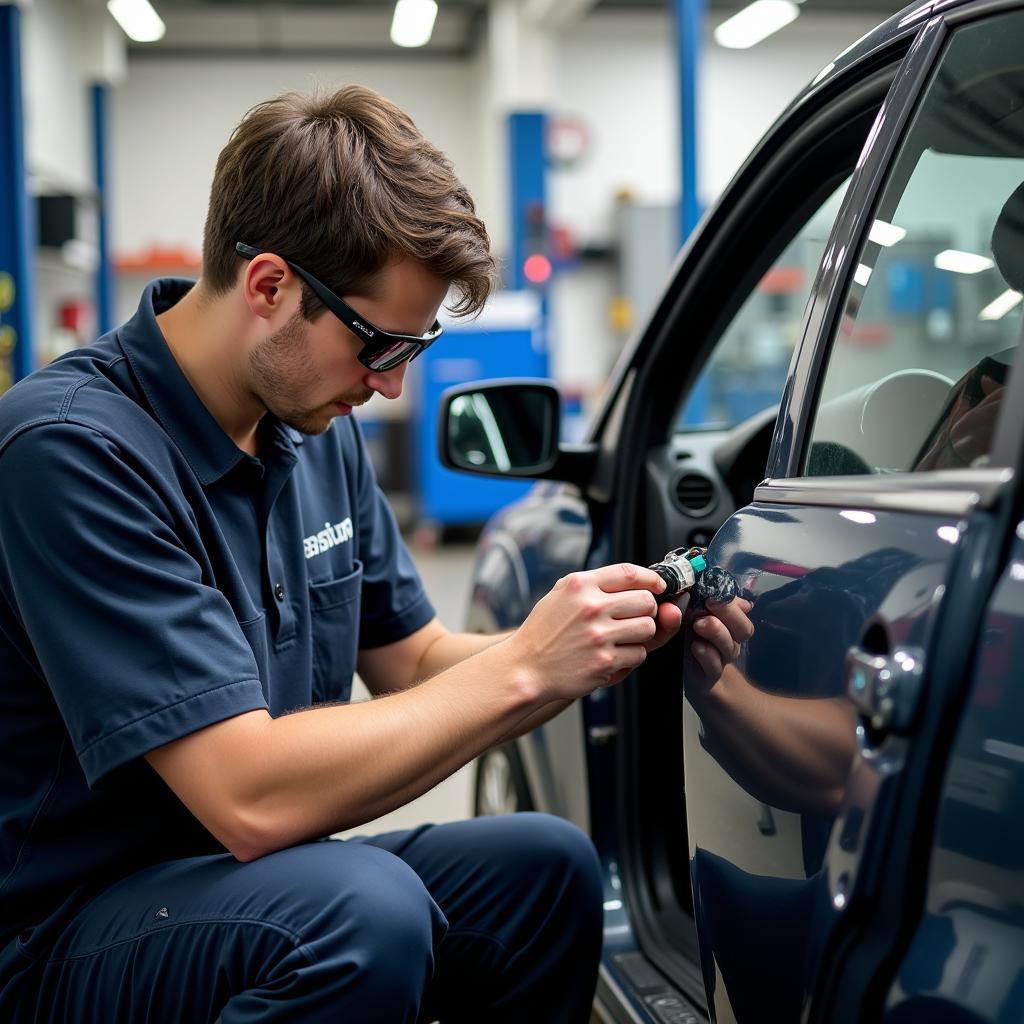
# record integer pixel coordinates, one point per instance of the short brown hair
(341, 184)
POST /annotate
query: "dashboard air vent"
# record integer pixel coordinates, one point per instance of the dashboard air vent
(695, 494)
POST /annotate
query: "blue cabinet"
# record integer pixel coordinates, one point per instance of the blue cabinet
(507, 340)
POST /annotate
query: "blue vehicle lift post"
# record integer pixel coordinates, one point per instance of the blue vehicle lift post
(527, 221)
(17, 235)
(689, 26)
(104, 269)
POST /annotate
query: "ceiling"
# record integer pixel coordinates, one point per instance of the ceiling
(360, 28)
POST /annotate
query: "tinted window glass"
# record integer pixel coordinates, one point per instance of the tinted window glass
(748, 368)
(921, 358)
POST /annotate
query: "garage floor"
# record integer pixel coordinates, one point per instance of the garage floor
(446, 572)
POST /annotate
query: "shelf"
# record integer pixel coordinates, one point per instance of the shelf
(159, 260)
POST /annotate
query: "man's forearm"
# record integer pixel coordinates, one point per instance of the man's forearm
(450, 649)
(455, 647)
(537, 718)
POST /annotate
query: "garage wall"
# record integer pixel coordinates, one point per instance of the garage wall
(172, 117)
(57, 118)
(618, 73)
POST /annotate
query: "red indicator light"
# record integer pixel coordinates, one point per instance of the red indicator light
(537, 268)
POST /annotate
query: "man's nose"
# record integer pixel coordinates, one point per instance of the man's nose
(388, 383)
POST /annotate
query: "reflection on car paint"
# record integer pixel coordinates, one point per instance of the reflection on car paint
(787, 739)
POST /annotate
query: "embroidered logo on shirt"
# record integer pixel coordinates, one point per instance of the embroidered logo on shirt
(329, 537)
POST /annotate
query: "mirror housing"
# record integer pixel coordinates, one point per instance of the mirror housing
(509, 429)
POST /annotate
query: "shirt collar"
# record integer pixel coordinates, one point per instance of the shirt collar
(180, 411)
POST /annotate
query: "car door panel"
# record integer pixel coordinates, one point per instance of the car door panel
(966, 959)
(820, 581)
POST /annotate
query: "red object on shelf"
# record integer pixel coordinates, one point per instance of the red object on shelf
(158, 258)
(74, 315)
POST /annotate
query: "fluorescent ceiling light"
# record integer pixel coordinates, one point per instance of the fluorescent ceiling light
(962, 262)
(886, 234)
(413, 22)
(138, 19)
(999, 307)
(754, 23)
(862, 274)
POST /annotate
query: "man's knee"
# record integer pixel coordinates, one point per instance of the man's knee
(367, 925)
(566, 852)
(354, 894)
(554, 858)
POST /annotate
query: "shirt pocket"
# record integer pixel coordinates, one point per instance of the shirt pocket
(334, 613)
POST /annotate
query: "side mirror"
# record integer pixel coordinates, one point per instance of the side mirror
(501, 428)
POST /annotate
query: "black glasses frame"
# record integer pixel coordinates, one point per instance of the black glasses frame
(382, 350)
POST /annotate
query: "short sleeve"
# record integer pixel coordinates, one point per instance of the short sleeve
(136, 646)
(394, 603)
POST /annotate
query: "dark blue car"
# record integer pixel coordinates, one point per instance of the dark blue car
(833, 828)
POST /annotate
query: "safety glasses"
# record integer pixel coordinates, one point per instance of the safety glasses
(381, 349)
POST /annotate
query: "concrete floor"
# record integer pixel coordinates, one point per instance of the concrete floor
(446, 574)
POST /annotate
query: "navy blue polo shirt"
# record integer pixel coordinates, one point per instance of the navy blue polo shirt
(155, 579)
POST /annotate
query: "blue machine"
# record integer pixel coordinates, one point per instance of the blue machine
(506, 341)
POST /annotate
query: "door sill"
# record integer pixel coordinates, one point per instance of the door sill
(631, 991)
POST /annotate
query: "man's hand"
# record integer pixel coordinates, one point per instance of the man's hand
(717, 636)
(593, 629)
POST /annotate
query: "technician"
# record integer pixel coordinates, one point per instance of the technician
(195, 557)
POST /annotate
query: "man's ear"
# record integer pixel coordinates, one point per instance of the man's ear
(269, 287)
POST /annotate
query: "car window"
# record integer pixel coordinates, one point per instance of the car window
(921, 357)
(748, 368)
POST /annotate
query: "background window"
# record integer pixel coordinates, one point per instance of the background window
(922, 355)
(748, 369)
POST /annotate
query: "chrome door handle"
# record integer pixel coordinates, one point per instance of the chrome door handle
(886, 688)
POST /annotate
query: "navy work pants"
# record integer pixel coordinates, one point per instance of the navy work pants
(488, 920)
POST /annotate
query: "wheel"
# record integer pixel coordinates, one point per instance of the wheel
(501, 786)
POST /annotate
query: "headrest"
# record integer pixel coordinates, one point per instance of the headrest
(1008, 240)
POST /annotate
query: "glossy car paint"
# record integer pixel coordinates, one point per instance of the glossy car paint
(762, 803)
(967, 956)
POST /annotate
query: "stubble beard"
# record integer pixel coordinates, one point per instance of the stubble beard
(281, 376)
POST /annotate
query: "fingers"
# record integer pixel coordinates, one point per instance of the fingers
(634, 654)
(716, 635)
(626, 576)
(668, 621)
(640, 630)
(734, 614)
(708, 659)
(632, 603)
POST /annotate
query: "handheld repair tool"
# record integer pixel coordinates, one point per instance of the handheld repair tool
(680, 569)
(686, 569)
